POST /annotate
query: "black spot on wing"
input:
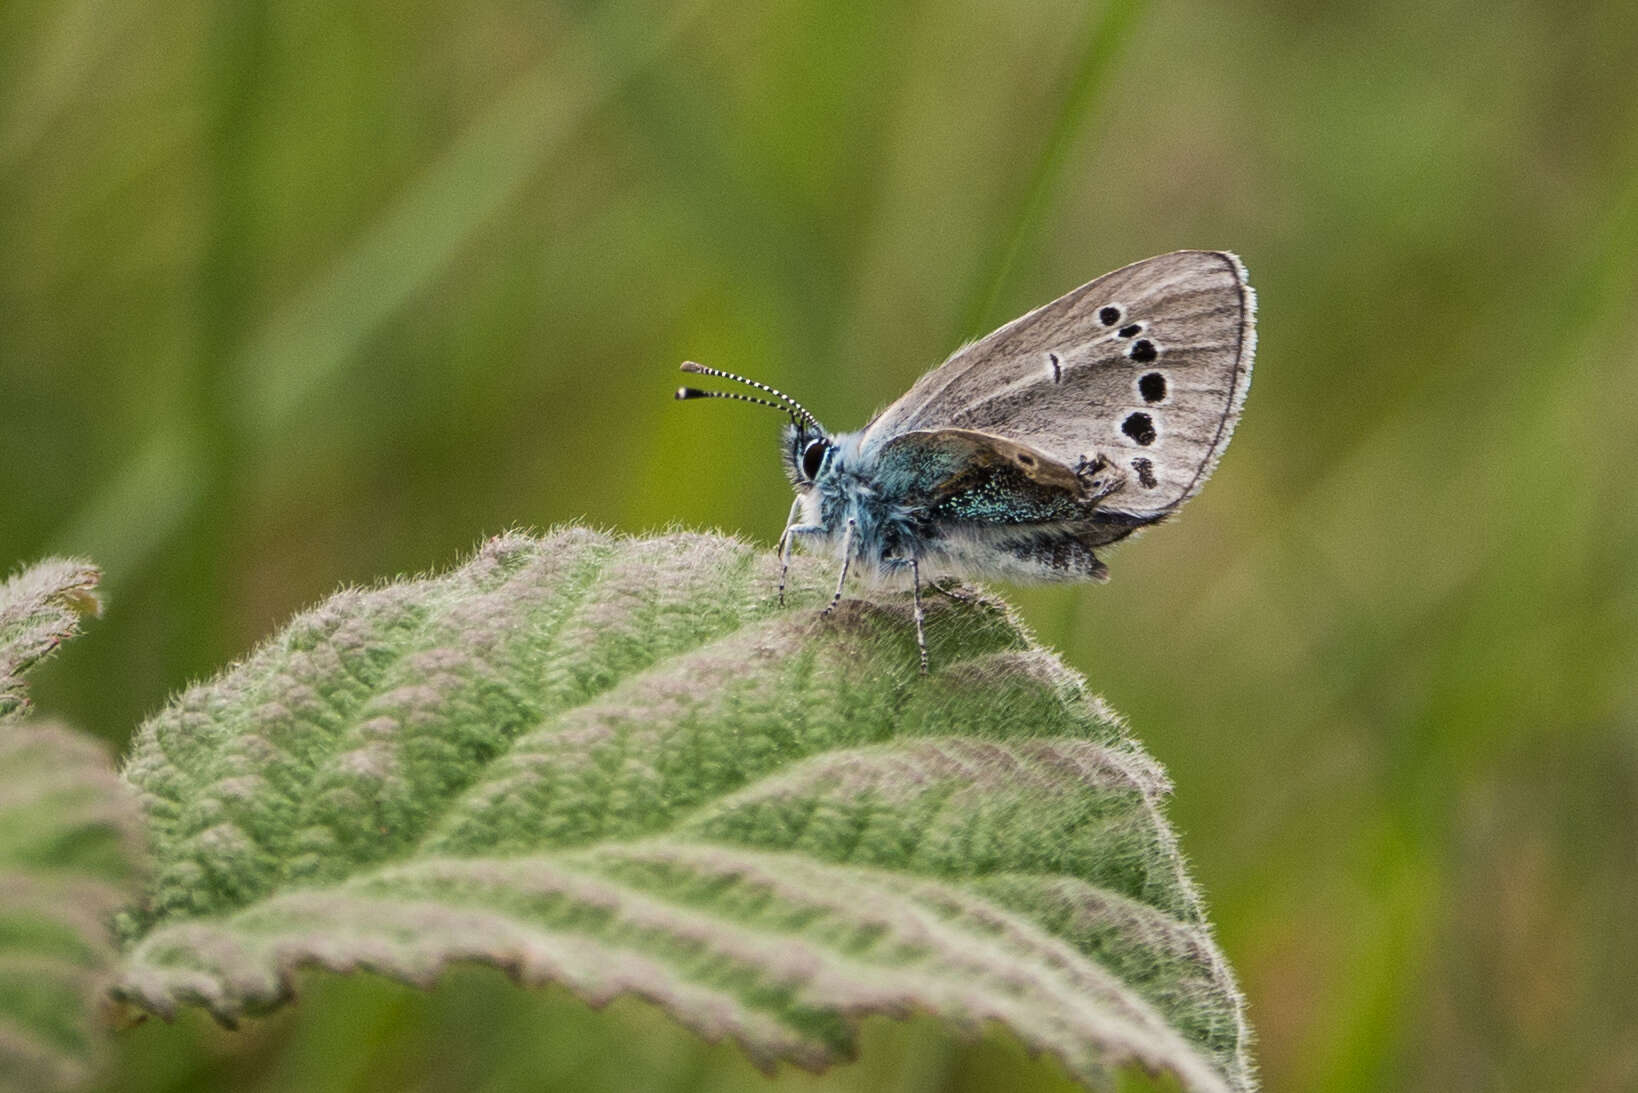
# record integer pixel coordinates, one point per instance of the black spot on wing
(1152, 387)
(1140, 427)
(1109, 316)
(1143, 351)
(1145, 472)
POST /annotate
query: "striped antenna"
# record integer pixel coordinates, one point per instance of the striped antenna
(686, 393)
(798, 412)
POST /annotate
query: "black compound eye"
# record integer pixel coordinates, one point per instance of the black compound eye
(813, 456)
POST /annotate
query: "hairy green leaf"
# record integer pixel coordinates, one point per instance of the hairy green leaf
(69, 844)
(39, 609)
(620, 765)
(69, 848)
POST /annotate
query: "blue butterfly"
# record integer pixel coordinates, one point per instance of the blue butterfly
(1017, 458)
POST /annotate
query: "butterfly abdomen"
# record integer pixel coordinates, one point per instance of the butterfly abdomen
(1055, 555)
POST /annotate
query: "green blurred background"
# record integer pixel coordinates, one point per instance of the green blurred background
(293, 295)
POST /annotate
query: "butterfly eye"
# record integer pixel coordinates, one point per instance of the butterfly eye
(813, 456)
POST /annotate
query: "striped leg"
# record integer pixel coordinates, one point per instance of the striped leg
(785, 547)
(915, 591)
(847, 557)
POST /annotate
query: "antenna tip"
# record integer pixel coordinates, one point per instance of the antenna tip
(690, 366)
(685, 393)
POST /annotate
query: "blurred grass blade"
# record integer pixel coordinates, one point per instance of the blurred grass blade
(69, 844)
(1106, 31)
(138, 508)
(309, 340)
(317, 332)
(79, 32)
(40, 608)
(617, 765)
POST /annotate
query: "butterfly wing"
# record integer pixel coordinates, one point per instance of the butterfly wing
(1144, 368)
(927, 464)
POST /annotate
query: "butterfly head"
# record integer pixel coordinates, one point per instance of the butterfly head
(807, 453)
(807, 446)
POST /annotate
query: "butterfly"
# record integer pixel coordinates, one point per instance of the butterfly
(1027, 451)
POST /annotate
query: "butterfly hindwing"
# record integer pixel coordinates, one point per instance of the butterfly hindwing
(925, 460)
(1143, 369)
(995, 507)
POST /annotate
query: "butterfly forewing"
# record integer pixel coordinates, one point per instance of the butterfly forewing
(1146, 368)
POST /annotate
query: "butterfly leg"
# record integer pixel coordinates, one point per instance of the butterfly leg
(847, 557)
(915, 592)
(785, 547)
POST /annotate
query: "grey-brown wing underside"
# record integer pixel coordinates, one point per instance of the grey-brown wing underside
(1146, 367)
